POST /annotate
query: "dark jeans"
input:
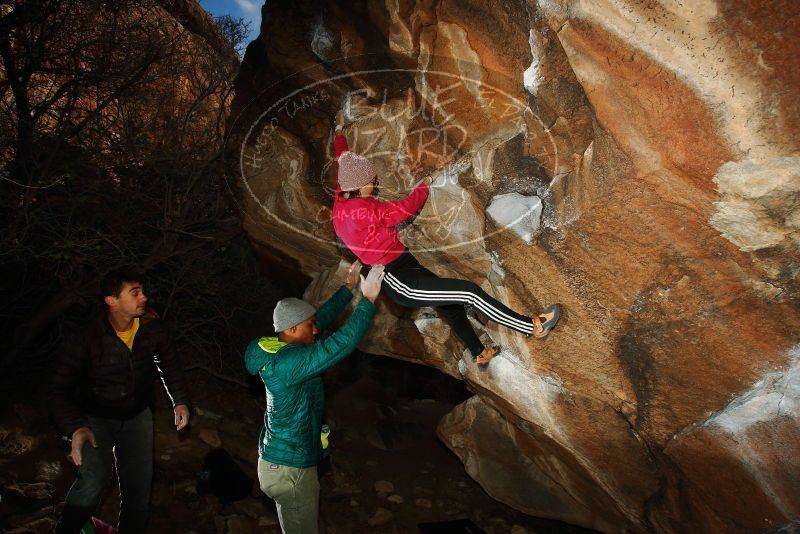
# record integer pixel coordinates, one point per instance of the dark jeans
(410, 284)
(128, 443)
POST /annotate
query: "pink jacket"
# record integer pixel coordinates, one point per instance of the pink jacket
(367, 225)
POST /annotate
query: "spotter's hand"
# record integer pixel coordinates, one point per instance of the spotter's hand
(352, 275)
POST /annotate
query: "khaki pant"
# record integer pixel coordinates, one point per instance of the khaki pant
(296, 494)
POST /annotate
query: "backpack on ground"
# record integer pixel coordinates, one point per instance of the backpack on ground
(221, 476)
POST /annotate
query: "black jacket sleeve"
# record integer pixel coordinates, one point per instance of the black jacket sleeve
(170, 371)
(72, 362)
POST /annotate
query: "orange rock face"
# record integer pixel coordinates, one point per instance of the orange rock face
(663, 141)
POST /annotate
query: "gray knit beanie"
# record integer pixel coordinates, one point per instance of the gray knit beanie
(291, 312)
(355, 171)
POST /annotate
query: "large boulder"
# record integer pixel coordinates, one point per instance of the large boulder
(662, 142)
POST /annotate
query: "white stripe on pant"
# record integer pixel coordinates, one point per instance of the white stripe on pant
(462, 297)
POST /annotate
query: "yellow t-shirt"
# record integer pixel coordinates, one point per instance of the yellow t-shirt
(127, 336)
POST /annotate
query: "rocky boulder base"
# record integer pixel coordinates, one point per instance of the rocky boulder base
(661, 145)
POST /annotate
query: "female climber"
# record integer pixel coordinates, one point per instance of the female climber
(367, 226)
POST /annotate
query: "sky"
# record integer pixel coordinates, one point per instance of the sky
(247, 9)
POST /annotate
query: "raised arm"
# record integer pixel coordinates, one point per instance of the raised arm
(304, 362)
(339, 144)
(301, 363)
(330, 309)
(393, 213)
(339, 140)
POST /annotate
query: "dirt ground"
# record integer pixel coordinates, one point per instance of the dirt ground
(388, 473)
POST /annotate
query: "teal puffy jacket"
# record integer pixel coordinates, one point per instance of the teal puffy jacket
(291, 374)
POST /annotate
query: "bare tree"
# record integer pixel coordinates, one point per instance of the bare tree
(113, 123)
(235, 30)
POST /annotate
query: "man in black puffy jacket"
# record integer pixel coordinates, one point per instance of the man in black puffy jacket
(101, 398)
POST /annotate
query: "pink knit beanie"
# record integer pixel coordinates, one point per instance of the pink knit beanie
(355, 171)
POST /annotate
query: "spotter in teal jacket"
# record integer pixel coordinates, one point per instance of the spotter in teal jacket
(293, 382)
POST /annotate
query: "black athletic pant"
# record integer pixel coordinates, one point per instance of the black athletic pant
(410, 284)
